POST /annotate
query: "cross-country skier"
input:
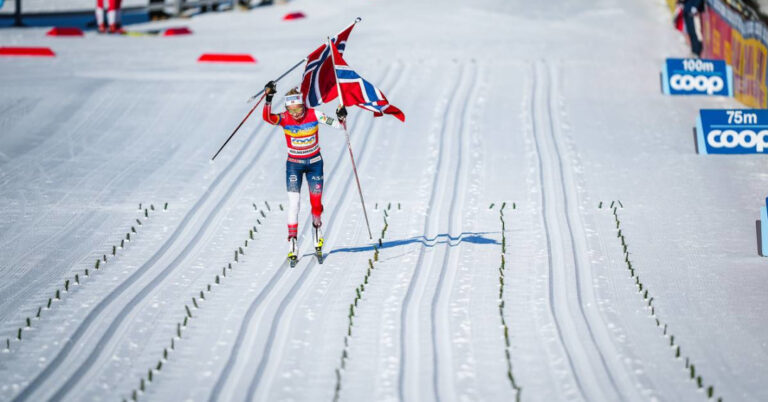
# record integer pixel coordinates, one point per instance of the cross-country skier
(300, 126)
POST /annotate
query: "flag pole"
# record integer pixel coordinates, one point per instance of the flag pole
(349, 145)
(358, 19)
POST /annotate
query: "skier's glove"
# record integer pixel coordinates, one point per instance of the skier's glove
(341, 113)
(269, 90)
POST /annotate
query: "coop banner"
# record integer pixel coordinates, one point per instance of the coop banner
(697, 77)
(732, 131)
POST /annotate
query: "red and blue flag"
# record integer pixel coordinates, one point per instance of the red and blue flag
(355, 90)
(318, 85)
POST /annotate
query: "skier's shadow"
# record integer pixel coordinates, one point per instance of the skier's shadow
(443, 238)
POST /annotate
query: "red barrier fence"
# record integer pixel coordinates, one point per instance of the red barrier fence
(743, 44)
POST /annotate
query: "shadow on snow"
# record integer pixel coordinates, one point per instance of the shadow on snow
(444, 238)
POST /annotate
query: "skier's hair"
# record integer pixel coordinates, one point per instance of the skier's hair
(293, 91)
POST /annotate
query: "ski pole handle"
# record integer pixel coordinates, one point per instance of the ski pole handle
(277, 79)
(260, 94)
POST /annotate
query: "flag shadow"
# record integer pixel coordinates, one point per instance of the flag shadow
(444, 238)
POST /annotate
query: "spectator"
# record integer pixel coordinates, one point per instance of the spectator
(690, 9)
(113, 16)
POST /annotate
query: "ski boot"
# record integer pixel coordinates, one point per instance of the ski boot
(292, 252)
(318, 237)
(116, 29)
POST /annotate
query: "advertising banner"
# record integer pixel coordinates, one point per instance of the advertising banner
(697, 77)
(743, 45)
(732, 131)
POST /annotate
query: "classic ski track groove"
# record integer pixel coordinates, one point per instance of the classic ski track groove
(545, 224)
(72, 294)
(428, 223)
(443, 341)
(79, 185)
(586, 355)
(96, 311)
(620, 377)
(256, 303)
(344, 200)
(30, 281)
(219, 284)
(617, 371)
(186, 252)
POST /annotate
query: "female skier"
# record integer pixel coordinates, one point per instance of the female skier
(301, 136)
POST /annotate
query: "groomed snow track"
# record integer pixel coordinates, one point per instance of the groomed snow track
(449, 178)
(540, 107)
(186, 237)
(567, 272)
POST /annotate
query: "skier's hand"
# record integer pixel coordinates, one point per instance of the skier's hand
(341, 113)
(269, 90)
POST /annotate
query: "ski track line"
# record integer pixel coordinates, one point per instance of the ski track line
(585, 358)
(595, 324)
(28, 280)
(545, 224)
(428, 223)
(142, 389)
(252, 309)
(95, 312)
(85, 179)
(69, 274)
(345, 200)
(135, 301)
(345, 351)
(441, 344)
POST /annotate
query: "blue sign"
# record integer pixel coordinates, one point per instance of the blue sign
(732, 131)
(697, 77)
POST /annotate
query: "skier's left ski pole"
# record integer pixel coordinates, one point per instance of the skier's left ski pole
(254, 107)
(349, 145)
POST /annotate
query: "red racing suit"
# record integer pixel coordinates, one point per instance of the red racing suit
(302, 142)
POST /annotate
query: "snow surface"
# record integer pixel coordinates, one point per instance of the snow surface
(545, 108)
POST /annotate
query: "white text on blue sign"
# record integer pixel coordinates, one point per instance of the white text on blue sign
(697, 77)
(732, 131)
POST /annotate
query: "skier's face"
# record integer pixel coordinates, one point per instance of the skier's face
(296, 111)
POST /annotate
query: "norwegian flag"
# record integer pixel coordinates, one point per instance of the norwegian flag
(318, 84)
(355, 90)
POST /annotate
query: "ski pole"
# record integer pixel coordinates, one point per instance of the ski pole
(349, 145)
(278, 79)
(357, 179)
(358, 19)
(254, 107)
(238, 127)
